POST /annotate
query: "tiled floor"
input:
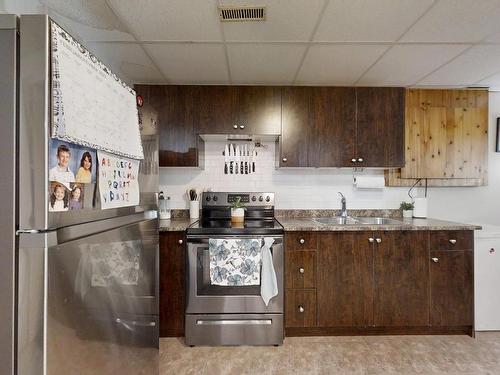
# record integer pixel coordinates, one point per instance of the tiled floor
(340, 355)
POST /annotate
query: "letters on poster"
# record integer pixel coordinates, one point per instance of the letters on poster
(118, 184)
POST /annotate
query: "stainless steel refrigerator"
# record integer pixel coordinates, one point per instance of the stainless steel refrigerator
(54, 319)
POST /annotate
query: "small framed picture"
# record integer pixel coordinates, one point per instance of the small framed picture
(497, 147)
(71, 163)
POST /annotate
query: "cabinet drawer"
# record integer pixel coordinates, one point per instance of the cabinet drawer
(452, 240)
(300, 269)
(301, 241)
(300, 310)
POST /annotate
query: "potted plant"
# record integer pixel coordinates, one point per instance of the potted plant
(407, 209)
(237, 211)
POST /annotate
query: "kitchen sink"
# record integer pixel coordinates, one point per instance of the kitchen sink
(378, 221)
(357, 220)
(336, 220)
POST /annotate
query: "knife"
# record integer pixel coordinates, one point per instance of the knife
(231, 156)
(253, 160)
(245, 152)
(226, 159)
(237, 160)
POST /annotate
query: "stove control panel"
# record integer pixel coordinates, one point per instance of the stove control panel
(220, 199)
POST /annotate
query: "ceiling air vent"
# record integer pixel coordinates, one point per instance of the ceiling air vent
(240, 14)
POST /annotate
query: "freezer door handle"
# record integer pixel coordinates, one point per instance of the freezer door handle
(135, 323)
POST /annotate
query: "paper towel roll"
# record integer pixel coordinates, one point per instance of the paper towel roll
(370, 182)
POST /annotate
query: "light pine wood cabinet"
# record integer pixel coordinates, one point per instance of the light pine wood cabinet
(446, 138)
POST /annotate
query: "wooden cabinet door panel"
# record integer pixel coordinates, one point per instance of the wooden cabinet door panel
(296, 126)
(380, 126)
(300, 308)
(217, 111)
(452, 288)
(452, 240)
(300, 269)
(333, 115)
(172, 284)
(301, 241)
(259, 110)
(176, 108)
(401, 279)
(345, 279)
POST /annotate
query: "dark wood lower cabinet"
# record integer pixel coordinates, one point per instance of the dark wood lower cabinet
(452, 288)
(300, 308)
(390, 282)
(345, 279)
(401, 279)
(172, 283)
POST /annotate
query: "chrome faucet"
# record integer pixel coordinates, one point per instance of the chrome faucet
(343, 213)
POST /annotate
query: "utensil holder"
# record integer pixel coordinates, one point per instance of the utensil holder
(194, 209)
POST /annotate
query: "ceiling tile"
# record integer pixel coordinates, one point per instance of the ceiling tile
(128, 61)
(191, 63)
(406, 64)
(457, 21)
(85, 20)
(170, 20)
(362, 20)
(472, 66)
(337, 64)
(491, 81)
(264, 63)
(286, 20)
(84, 32)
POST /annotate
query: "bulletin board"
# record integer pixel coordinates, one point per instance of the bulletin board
(91, 106)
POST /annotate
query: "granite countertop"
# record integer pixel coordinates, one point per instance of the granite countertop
(176, 224)
(308, 224)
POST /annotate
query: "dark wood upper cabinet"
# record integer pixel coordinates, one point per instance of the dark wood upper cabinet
(172, 283)
(239, 110)
(297, 128)
(401, 278)
(175, 108)
(380, 126)
(342, 127)
(334, 119)
(259, 110)
(217, 109)
(318, 126)
(345, 279)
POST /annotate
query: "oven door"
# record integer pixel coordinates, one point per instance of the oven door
(205, 298)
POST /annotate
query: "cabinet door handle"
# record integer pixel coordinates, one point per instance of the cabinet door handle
(360, 160)
(379, 240)
(242, 126)
(353, 160)
(371, 240)
(284, 160)
(302, 241)
(301, 270)
(301, 308)
(181, 242)
(435, 260)
(453, 241)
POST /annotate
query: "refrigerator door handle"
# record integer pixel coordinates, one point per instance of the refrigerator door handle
(136, 323)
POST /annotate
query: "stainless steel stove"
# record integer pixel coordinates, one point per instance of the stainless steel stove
(232, 315)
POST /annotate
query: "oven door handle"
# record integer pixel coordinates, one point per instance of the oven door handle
(221, 322)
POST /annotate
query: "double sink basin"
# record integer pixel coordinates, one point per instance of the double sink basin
(357, 221)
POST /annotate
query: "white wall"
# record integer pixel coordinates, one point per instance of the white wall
(317, 188)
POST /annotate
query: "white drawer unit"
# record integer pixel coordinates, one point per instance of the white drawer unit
(487, 278)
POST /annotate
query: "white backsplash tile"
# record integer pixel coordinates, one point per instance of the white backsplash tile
(294, 188)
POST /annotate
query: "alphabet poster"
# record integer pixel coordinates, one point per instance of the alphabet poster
(118, 184)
